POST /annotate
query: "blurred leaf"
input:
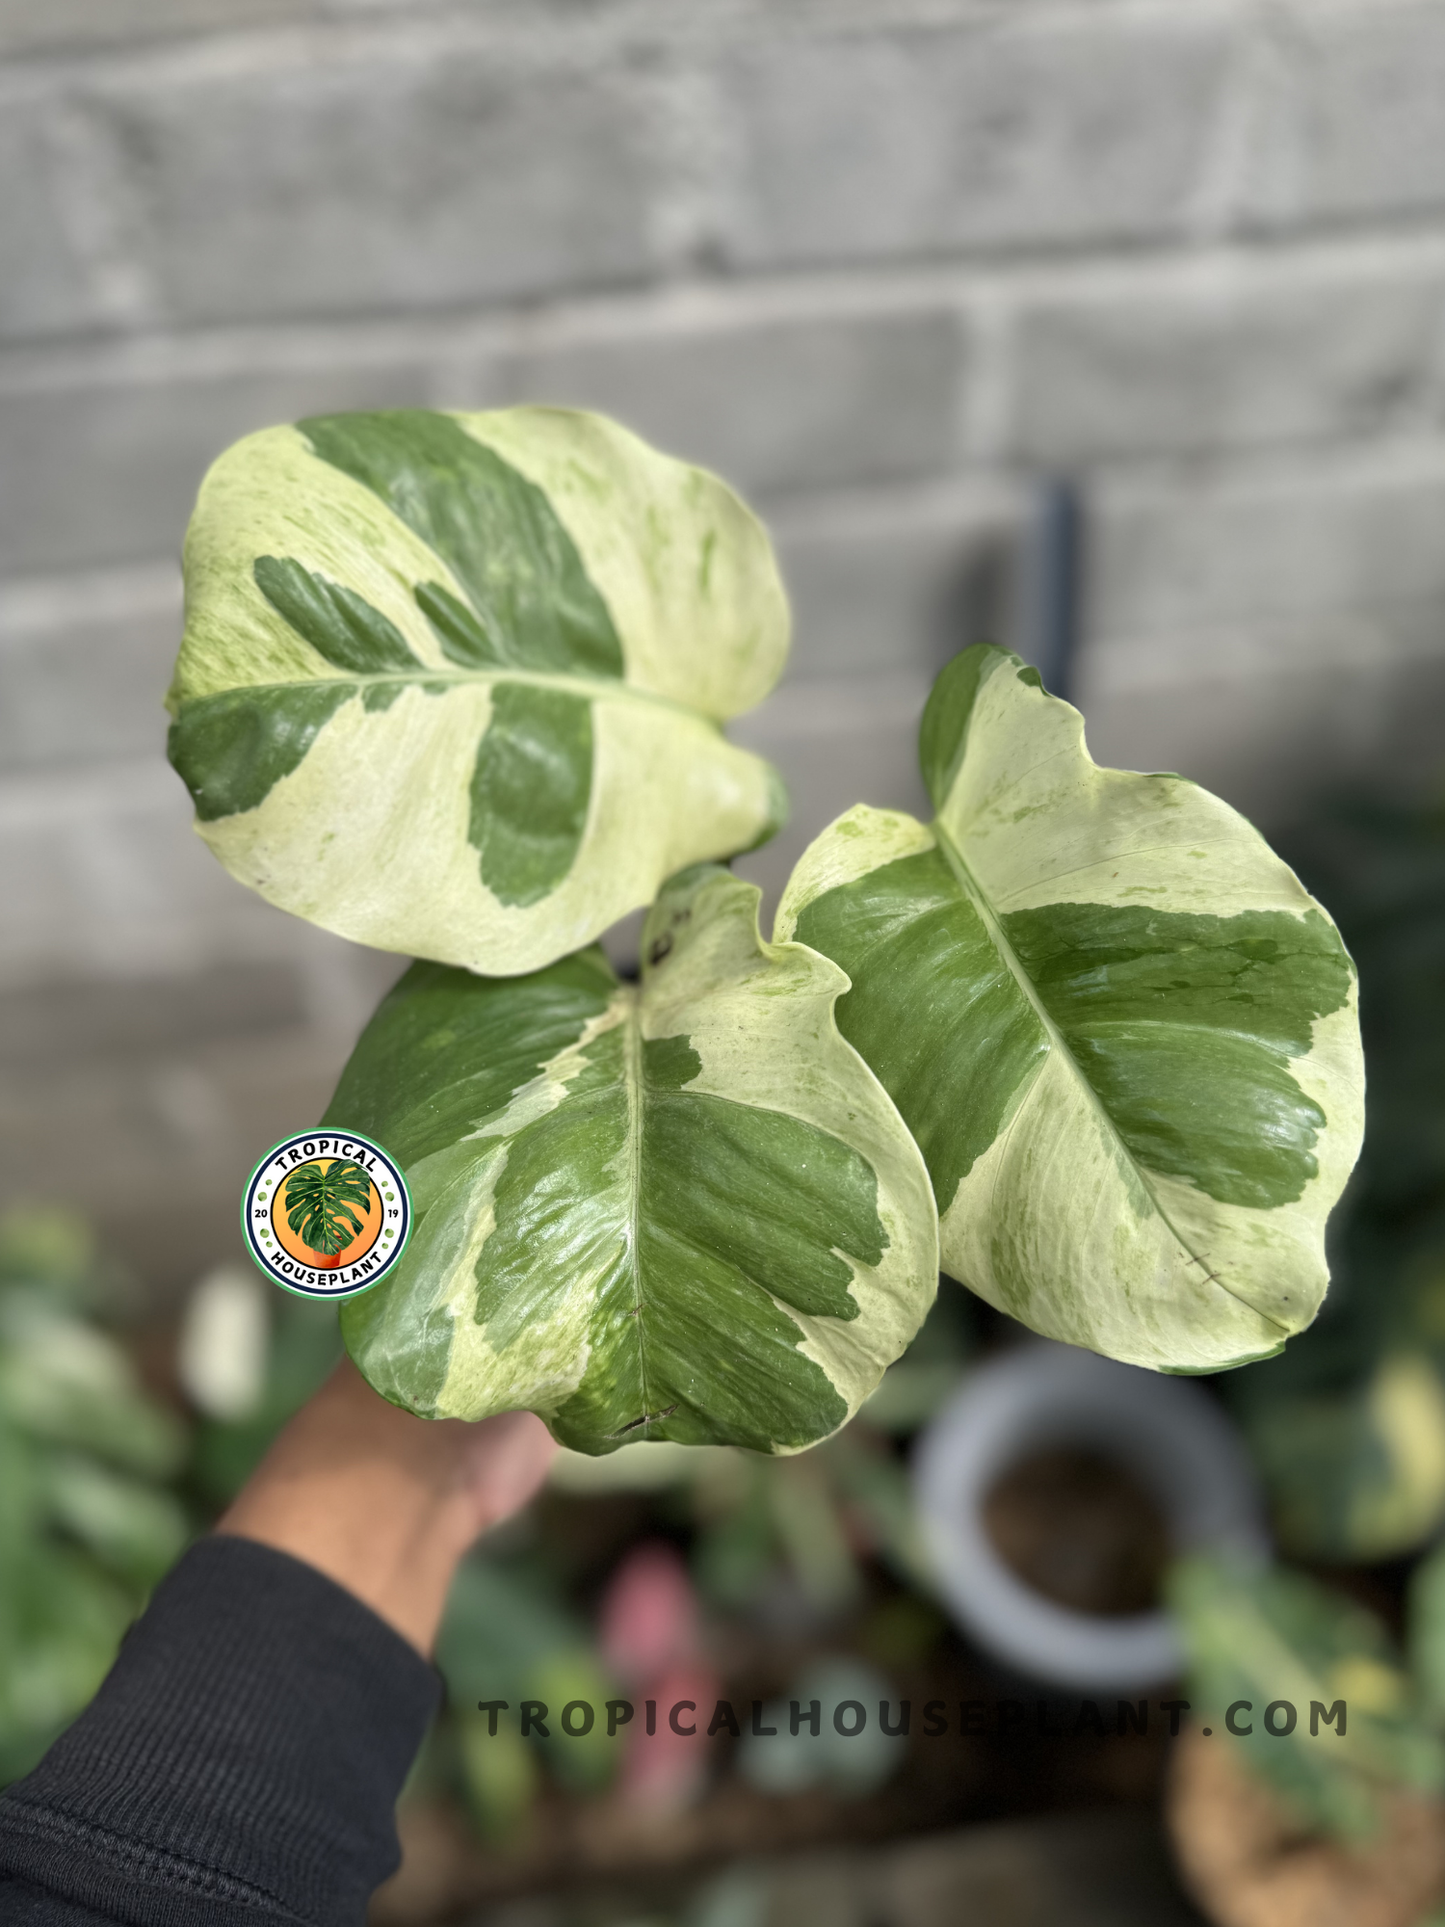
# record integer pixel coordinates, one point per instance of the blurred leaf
(1360, 1474)
(851, 1765)
(86, 1527)
(138, 1530)
(908, 1395)
(45, 1245)
(1266, 1634)
(66, 1382)
(1425, 1627)
(62, 1622)
(499, 1773)
(812, 1534)
(501, 1630)
(305, 1344)
(879, 1493)
(584, 1762)
(735, 1550)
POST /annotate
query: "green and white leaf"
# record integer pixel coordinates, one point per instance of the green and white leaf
(683, 1210)
(452, 685)
(1123, 1034)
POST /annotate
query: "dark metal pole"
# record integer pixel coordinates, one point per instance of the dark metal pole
(1053, 598)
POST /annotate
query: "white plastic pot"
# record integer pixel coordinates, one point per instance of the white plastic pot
(1166, 1432)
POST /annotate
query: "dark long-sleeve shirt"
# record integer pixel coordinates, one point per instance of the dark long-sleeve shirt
(239, 1766)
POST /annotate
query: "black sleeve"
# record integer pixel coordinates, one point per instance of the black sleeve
(239, 1766)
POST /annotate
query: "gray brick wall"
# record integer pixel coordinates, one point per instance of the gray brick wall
(881, 262)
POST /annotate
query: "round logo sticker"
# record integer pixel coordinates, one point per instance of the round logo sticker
(326, 1215)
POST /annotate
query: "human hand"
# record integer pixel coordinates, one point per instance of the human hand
(386, 1503)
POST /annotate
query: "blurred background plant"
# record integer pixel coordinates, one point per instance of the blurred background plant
(1348, 1423)
(88, 1517)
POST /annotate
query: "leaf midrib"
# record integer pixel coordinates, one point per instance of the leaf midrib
(974, 891)
(632, 1077)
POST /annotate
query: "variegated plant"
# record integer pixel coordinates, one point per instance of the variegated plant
(452, 684)
(1121, 1031)
(683, 1209)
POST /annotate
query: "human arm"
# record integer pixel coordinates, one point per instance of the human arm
(242, 1760)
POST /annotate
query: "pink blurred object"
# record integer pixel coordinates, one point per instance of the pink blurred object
(667, 1769)
(650, 1636)
(649, 1619)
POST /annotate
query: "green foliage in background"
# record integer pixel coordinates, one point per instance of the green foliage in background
(1348, 1427)
(1266, 1634)
(87, 1522)
(303, 1346)
(509, 1634)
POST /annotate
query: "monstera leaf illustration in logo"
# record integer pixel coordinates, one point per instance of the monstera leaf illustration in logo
(453, 684)
(322, 1201)
(684, 1209)
(1122, 1032)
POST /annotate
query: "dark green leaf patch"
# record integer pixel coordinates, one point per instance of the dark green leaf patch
(447, 1050)
(1184, 1025)
(531, 789)
(728, 1207)
(943, 733)
(533, 605)
(933, 1010)
(340, 625)
(231, 750)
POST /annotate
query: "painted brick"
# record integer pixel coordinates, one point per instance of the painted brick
(26, 27)
(393, 182)
(891, 587)
(45, 286)
(1273, 717)
(82, 675)
(105, 469)
(100, 872)
(837, 742)
(1254, 547)
(87, 1021)
(774, 403)
(119, 1141)
(1356, 126)
(1225, 356)
(999, 136)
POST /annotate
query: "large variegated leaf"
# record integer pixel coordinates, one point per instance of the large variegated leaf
(682, 1210)
(1122, 1032)
(452, 684)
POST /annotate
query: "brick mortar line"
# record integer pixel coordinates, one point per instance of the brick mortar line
(675, 309)
(969, 499)
(562, 45)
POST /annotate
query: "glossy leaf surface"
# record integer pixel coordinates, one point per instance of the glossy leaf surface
(453, 684)
(1123, 1034)
(681, 1210)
